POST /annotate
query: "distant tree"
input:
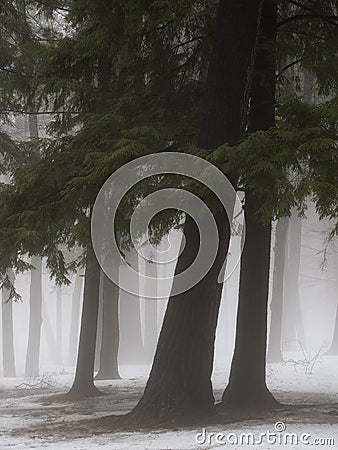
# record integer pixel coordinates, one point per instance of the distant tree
(75, 318)
(8, 355)
(276, 307)
(32, 367)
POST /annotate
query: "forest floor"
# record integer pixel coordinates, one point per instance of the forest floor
(33, 415)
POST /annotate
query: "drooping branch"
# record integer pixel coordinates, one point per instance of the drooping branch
(291, 64)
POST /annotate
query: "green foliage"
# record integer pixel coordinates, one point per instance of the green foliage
(294, 161)
(125, 79)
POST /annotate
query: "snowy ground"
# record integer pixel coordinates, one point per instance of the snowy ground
(33, 417)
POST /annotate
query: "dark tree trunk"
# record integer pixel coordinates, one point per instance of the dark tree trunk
(83, 385)
(110, 331)
(276, 307)
(59, 325)
(8, 355)
(75, 319)
(131, 343)
(247, 382)
(150, 316)
(35, 320)
(179, 381)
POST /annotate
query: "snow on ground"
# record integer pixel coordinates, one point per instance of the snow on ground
(33, 417)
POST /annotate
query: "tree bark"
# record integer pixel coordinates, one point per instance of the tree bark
(179, 381)
(275, 339)
(83, 385)
(110, 331)
(35, 320)
(8, 355)
(247, 382)
(75, 319)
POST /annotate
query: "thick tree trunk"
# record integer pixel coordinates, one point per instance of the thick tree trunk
(150, 315)
(131, 343)
(247, 382)
(110, 331)
(247, 386)
(75, 319)
(35, 319)
(8, 355)
(179, 381)
(275, 339)
(83, 385)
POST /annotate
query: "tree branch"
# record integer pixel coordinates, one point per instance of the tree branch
(330, 19)
(293, 63)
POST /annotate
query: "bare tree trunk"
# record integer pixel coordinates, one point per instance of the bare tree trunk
(275, 339)
(293, 323)
(59, 324)
(8, 355)
(150, 318)
(47, 328)
(110, 331)
(83, 385)
(131, 344)
(334, 344)
(99, 327)
(35, 320)
(75, 318)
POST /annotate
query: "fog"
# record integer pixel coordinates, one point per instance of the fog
(318, 306)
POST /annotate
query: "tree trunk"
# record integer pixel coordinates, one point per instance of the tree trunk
(334, 344)
(98, 344)
(179, 381)
(110, 331)
(150, 315)
(48, 331)
(293, 323)
(35, 319)
(58, 325)
(83, 385)
(8, 356)
(247, 382)
(131, 344)
(275, 339)
(75, 319)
